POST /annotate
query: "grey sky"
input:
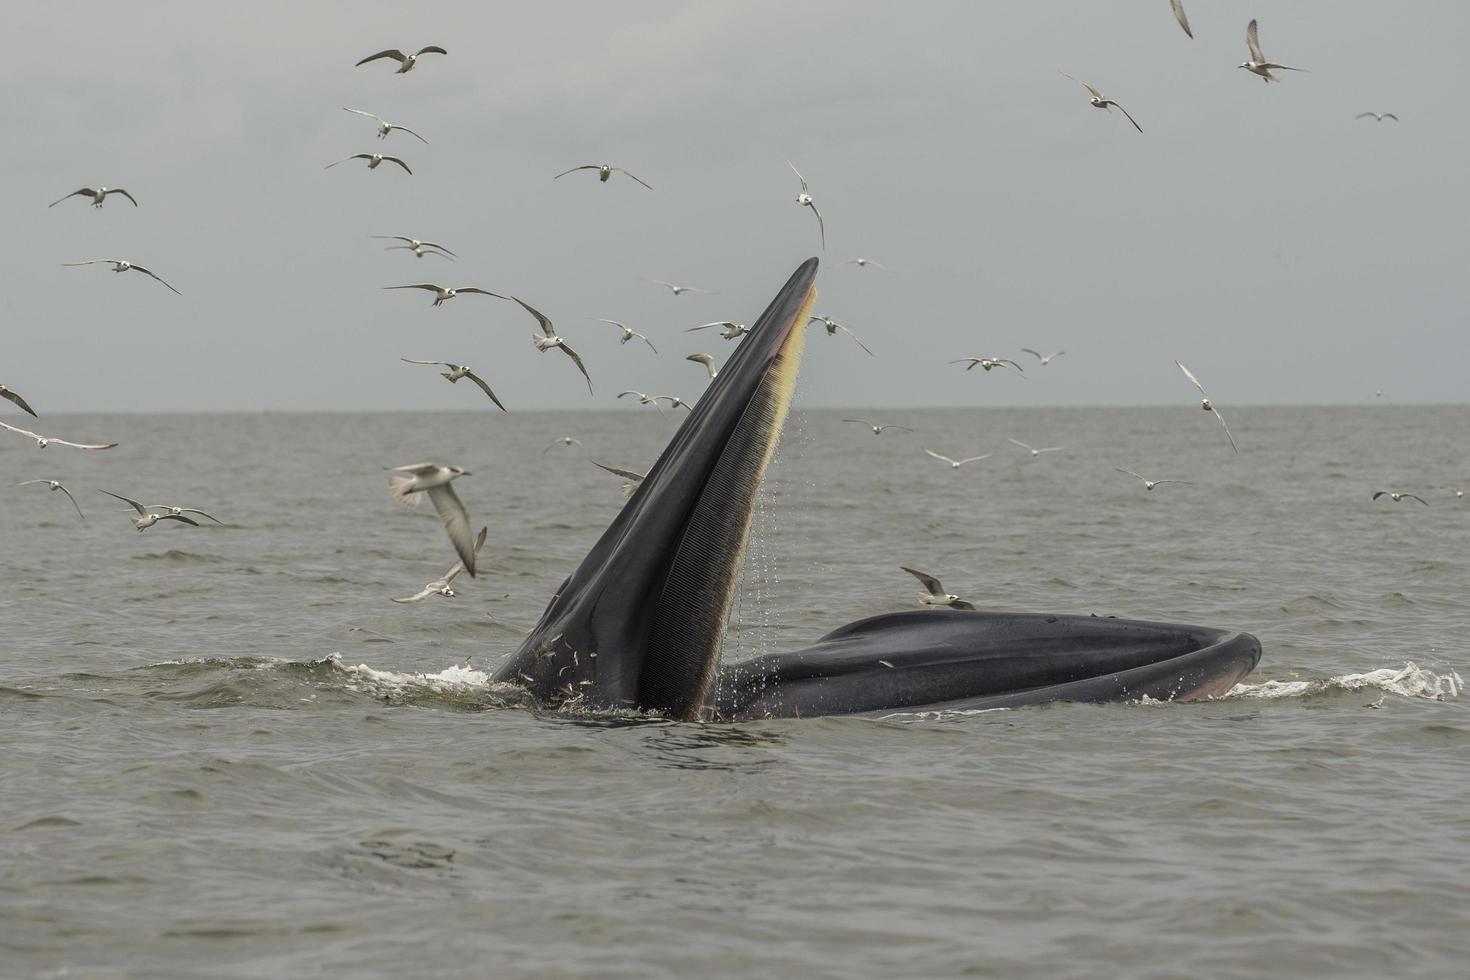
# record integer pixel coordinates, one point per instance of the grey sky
(1284, 251)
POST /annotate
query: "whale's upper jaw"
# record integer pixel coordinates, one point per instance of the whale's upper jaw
(639, 624)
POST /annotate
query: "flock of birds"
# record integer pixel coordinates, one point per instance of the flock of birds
(410, 484)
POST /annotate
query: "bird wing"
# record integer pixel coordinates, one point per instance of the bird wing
(1035, 354)
(485, 388)
(400, 163)
(139, 268)
(73, 501)
(588, 166)
(1095, 93)
(855, 340)
(577, 359)
(431, 49)
(640, 180)
(1018, 442)
(456, 522)
(1361, 115)
(119, 190)
(419, 285)
(1179, 16)
(962, 604)
(1132, 474)
(24, 432)
(938, 456)
(424, 593)
(630, 391)
(84, 190)
(798, 174)
(541, 318)
(435, 244)
(417, 469)
(370, 115)
(1389, 115)
(179, 517)
(1415, 496)
(646, 341)
(1130, 117)
(861, 422)
(633, 475)
(393, 53)
(1380, 493)
(92, 262)
(401, 238)
(196, 510)
(928, 581)
(79, 445)
(1253, 41)
(477, 289)
(706, 326)
(821, 225)
(127, 500)
(21, 402)
(1227, 429)
(1192, 379)
(973, 361)
(975, 459)
(411, 360)
(901, 428)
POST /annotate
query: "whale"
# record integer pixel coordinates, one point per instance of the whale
(639, 624)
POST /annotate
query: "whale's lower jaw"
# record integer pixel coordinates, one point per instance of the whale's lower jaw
(950, 659)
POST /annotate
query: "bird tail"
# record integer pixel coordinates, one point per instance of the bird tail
(399, 484)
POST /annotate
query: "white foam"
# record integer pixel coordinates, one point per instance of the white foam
(1410, 681)
(458, 679)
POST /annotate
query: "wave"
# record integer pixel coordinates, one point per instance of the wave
(1410, 681)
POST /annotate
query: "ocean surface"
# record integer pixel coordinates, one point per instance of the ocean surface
(226, 753)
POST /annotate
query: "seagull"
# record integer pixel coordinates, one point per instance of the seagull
(833, 326)
(373, 160)
(441, 586)
(548, 339)
(878, 429)
(416, 246)
(676, 290)
(1150, 484)
(561, 441)
(1098, 102)
(44, 441)
(147, 518)
(604, 171)
(805, 200)
(1179, 16)
(1258, 65)
(385, 127)
(990, 362)
(1457, 491)
(410, 483)
(863, 263)
(728, 330)
(935, 594)
(443, 293)
(955, 464)
(628, 333)
(55, 485)
(706, 360)
(1205, 402)
(1046, 359)
(14, 396)
(1378, 116)
(674, 401)
(123, 265)
(1397, 495)
(631, 478)
(176, 511)
(405, 62)
(98, 196)
(1035, 452)
(643, 399)
(457, 371)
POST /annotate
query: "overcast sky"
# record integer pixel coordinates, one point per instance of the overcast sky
(1283, 250)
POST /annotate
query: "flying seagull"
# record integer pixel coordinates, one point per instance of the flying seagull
(14, 396)
(1035, 452)
(405, 64)
(409, 483)
(1098, 102)
(123, 265)
(643, 399)
(443, 293)
(728, 330)
(457, 371)
(833, 326)
(373, 160)
(1044, 359)
(385, 127)
(1397, 495)
(676, 290)
(171, 510)
(1258, 65)
(55, 485)
(1378, 116)
(547, 339)
(674, 401)
(631, 478)
(990, 362)
(878, 429)
(561, 441)
(604, 171)
(934, 594)
(955, 464)
(805, 200)
(1179, 16)
(147, 518)
(863, 263)
(1150, 484)
(628, 333)
(441, 586)
(1207, 405)
(416, 246)
(98, 195)
(706, 360)
(44, 441)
